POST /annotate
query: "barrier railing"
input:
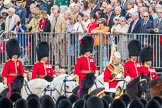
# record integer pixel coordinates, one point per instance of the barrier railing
(65, 48)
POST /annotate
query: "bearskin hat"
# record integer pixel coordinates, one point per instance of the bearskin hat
(134, 48)
(94, 102)
(125, 98)
(20, 103)
(12, 48)
(118, 104)
(32, 96)
(15, 96)
(5, 103)
(59, 99)
(73, 98)
(47, 102)
(64, 103)
(144, 101)
(153, 104)
(108, 98)
(86, 45)
(106, 105)
(42, 50)
(158, 98)
(146, 54)
(135, 103)
(33, 102)
(80, 103)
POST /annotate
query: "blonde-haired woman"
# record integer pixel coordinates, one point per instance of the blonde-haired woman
(34, 21)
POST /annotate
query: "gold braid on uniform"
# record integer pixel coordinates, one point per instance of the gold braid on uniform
(115, 70)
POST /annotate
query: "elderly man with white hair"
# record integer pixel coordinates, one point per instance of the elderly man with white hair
(10, 20)
(136, 24)
(8, 4)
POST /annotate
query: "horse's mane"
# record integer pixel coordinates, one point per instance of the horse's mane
(48, 78)
(133, 82)
(18, 83)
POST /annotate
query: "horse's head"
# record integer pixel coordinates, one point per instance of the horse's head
(17, 83)
(69, 83)
(144, 86)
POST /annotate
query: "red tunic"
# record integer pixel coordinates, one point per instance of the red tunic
(147, 70)
(11, 69)
(83, 65)
(132, 68)
(41, 70)
(92, 26)
(108, 77)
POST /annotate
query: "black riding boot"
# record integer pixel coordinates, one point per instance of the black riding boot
(110, 94)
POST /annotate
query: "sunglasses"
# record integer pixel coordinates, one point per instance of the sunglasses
(116, 19)
(158, 12)
(145, 16)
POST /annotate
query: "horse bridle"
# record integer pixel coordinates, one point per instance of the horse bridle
(64, 85)
(51, 89)
(145, 91)
(26, 86)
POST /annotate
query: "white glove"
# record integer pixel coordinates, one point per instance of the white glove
(96, 75)
(106, 85)
(127, 79)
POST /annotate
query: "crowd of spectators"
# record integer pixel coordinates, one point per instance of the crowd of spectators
(33, 101)
(81, 16)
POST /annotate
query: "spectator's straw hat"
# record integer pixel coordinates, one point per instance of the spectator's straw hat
(42, 50)
(12, 48)
(146, 54)
(134, 48)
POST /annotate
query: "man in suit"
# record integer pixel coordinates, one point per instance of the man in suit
(147, 24)
(135, 25)
(58, 27)
(157, 24)
(20, 11)
(93, 5)
(110, 16)
(10, 20)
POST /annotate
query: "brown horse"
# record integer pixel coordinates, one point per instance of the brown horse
(156, 87)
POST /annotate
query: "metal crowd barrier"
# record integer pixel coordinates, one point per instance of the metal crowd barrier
(65, 48)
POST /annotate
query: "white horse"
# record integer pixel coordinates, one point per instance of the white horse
(61, 85)
(34, 86)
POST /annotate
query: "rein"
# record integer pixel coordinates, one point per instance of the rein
(26, 86)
